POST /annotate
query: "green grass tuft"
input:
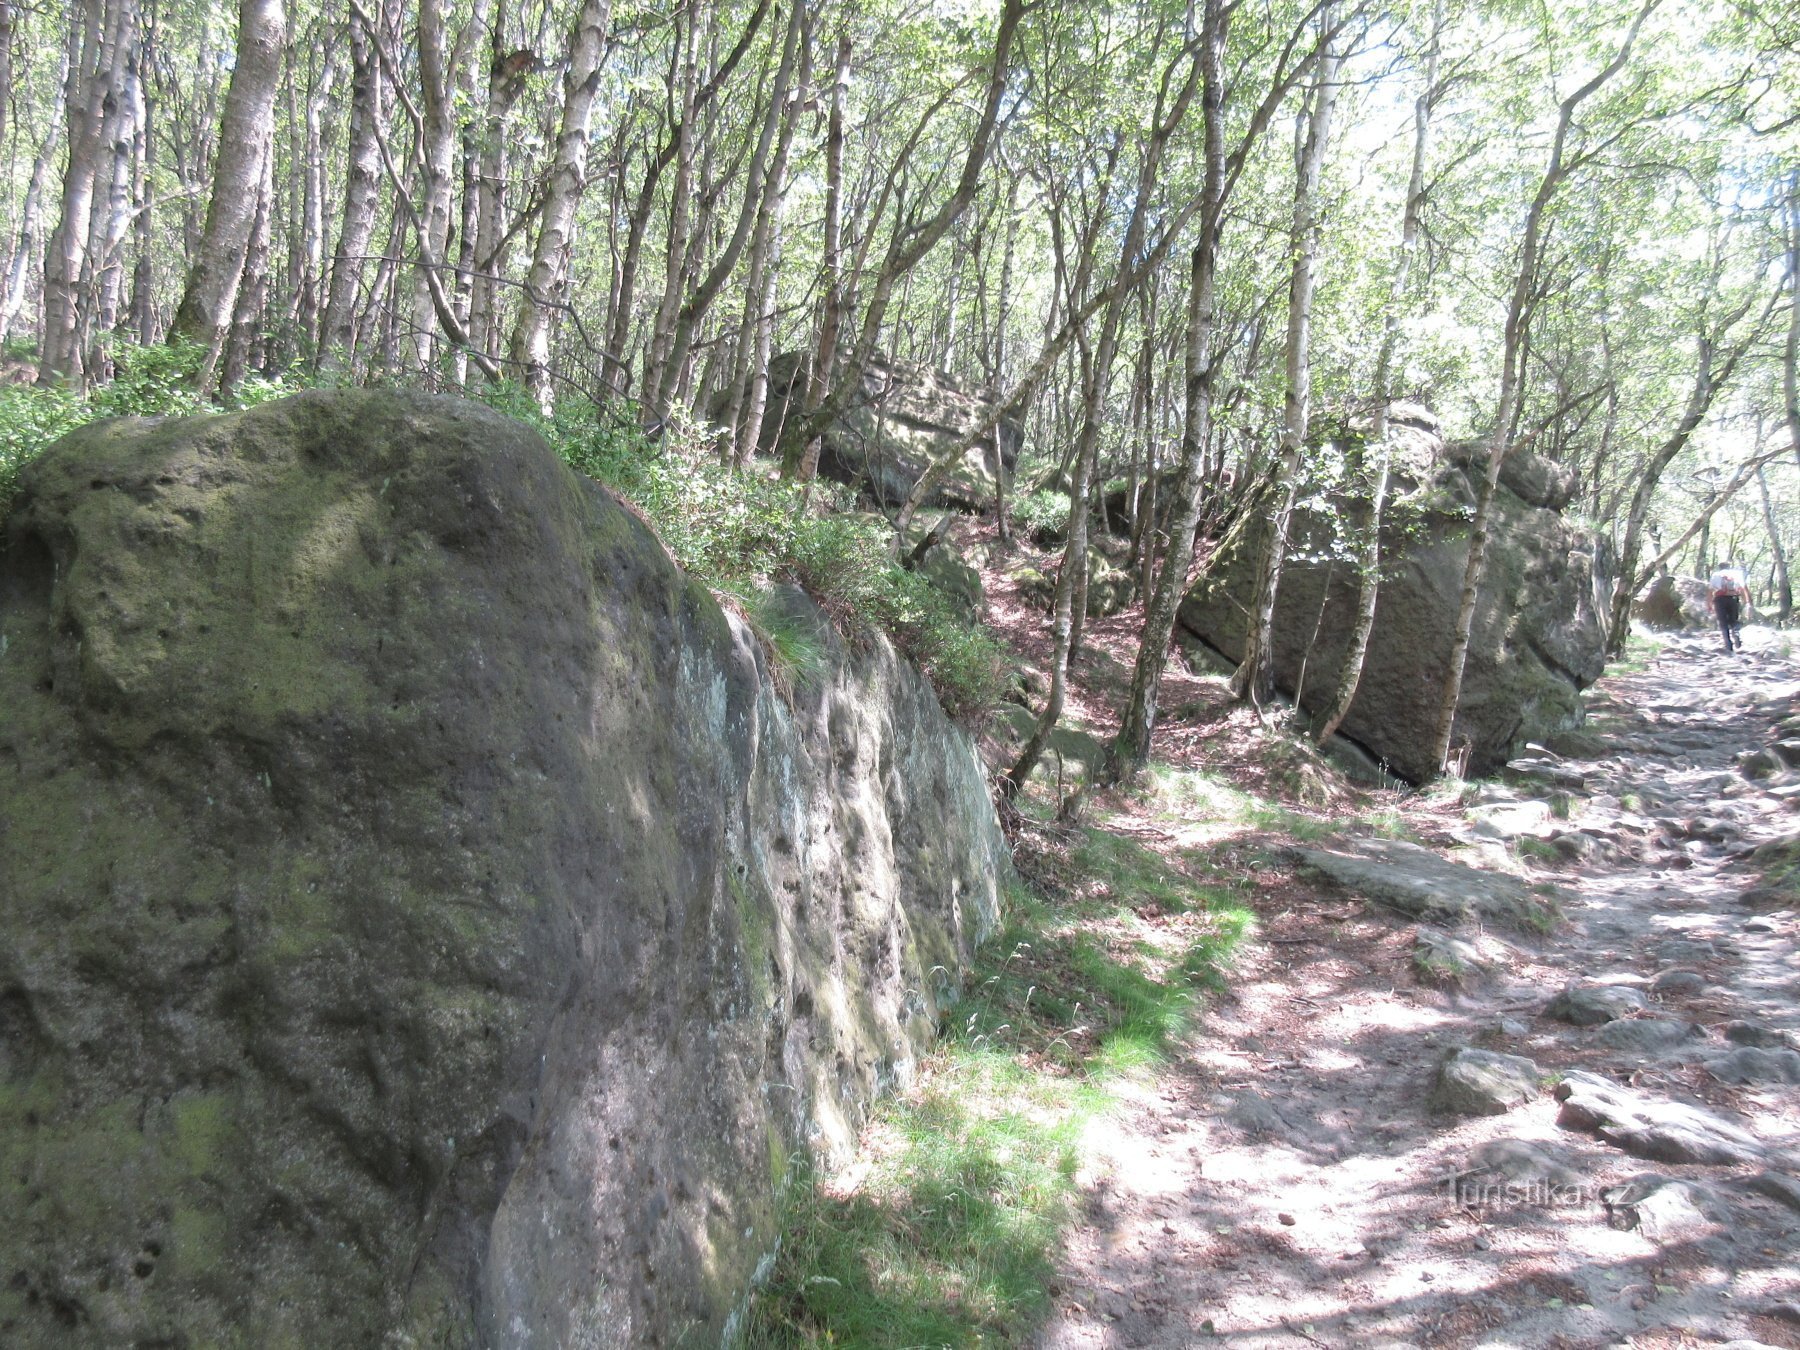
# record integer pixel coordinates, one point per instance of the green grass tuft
(950, 1238)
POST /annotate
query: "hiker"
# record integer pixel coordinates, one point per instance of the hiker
(1730, 592)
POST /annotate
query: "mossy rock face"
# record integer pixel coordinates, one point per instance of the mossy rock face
(1540, 626)
(423, 919)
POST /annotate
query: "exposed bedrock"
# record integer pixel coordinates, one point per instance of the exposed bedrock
(1540, 625)
(424, 921)
(904, 416)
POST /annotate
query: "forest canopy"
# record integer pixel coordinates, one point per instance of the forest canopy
(1202, 244)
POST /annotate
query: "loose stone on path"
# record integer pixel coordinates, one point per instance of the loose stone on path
(1588, 1005)
(1417, 882)
(1651, 1127)
(1473, 1082)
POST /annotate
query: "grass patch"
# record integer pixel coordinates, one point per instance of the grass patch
(1641, 651)
(952, 1237)
(1538, 850)
(949, 1237)
(796, 649)
(1188, 796)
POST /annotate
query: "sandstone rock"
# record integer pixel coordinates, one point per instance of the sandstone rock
(1678, 983)
(1417, 882)
(1760, 764)
(1588, 1005)
(1523, 1160)
(1757, 1034)
(1072, 754)
(1474, 1082)
(1664, 1209)
(1446, 958)
(1110, 589)
(1755, 1064)
(1511, 820)
(904, 417)
(1778, 1186)
(1650, 1127)
(1533, 479)
(1672, 602)
(1647, 1035)
(425, 920)
(1539, 634)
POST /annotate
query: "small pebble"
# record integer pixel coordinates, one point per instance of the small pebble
(1287, 1219)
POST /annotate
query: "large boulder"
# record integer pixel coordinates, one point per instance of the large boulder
(1539, 636)
(424, 920)
(1672, 602)
(905, 416)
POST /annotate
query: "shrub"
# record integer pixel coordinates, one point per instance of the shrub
(732, 530)
(735, 530)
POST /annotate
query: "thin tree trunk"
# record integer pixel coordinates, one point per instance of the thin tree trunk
(246, 141)
(143, 271)
(248, 320)
(1255, 677)
(96, 34)
(1130, 749)
(31, 224)
(121, 142)
(506, 81)
(362, 189)
(1002, 317)
(1071, 585)
(444, 77)
(1715, 502)
(778, 118)
(680, 232)
(6, 64)
(1368, 561)
(1784, 587)
(1709, 378)
(1518, 323)
(910, 244)
(750, 384)
(1790, 357)
(800, 459)
(547, 279)
(307, 266)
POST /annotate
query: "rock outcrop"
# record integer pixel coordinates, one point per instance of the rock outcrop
(425, 922)
(1671, 602)
(1540, 625)
(906, 416)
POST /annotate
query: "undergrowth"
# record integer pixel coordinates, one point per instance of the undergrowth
(951, 1234)
(735, 531)
(1185, 795)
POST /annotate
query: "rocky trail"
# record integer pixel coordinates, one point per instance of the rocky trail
(1533, 1081)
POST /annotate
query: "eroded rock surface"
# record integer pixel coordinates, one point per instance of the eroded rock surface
(425, 922)
(1420, 883)
(905, 416)
(1540, 626)
(1473, 1082)
(1647, 1126)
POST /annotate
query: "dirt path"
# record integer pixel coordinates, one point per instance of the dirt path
(1289, 1182)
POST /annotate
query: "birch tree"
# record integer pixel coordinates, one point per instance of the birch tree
(246, 137)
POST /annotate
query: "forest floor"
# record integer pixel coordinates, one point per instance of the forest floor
(1198, 1098)
(1285, 1179)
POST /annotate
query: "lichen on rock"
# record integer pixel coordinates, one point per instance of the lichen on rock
(426, 921)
